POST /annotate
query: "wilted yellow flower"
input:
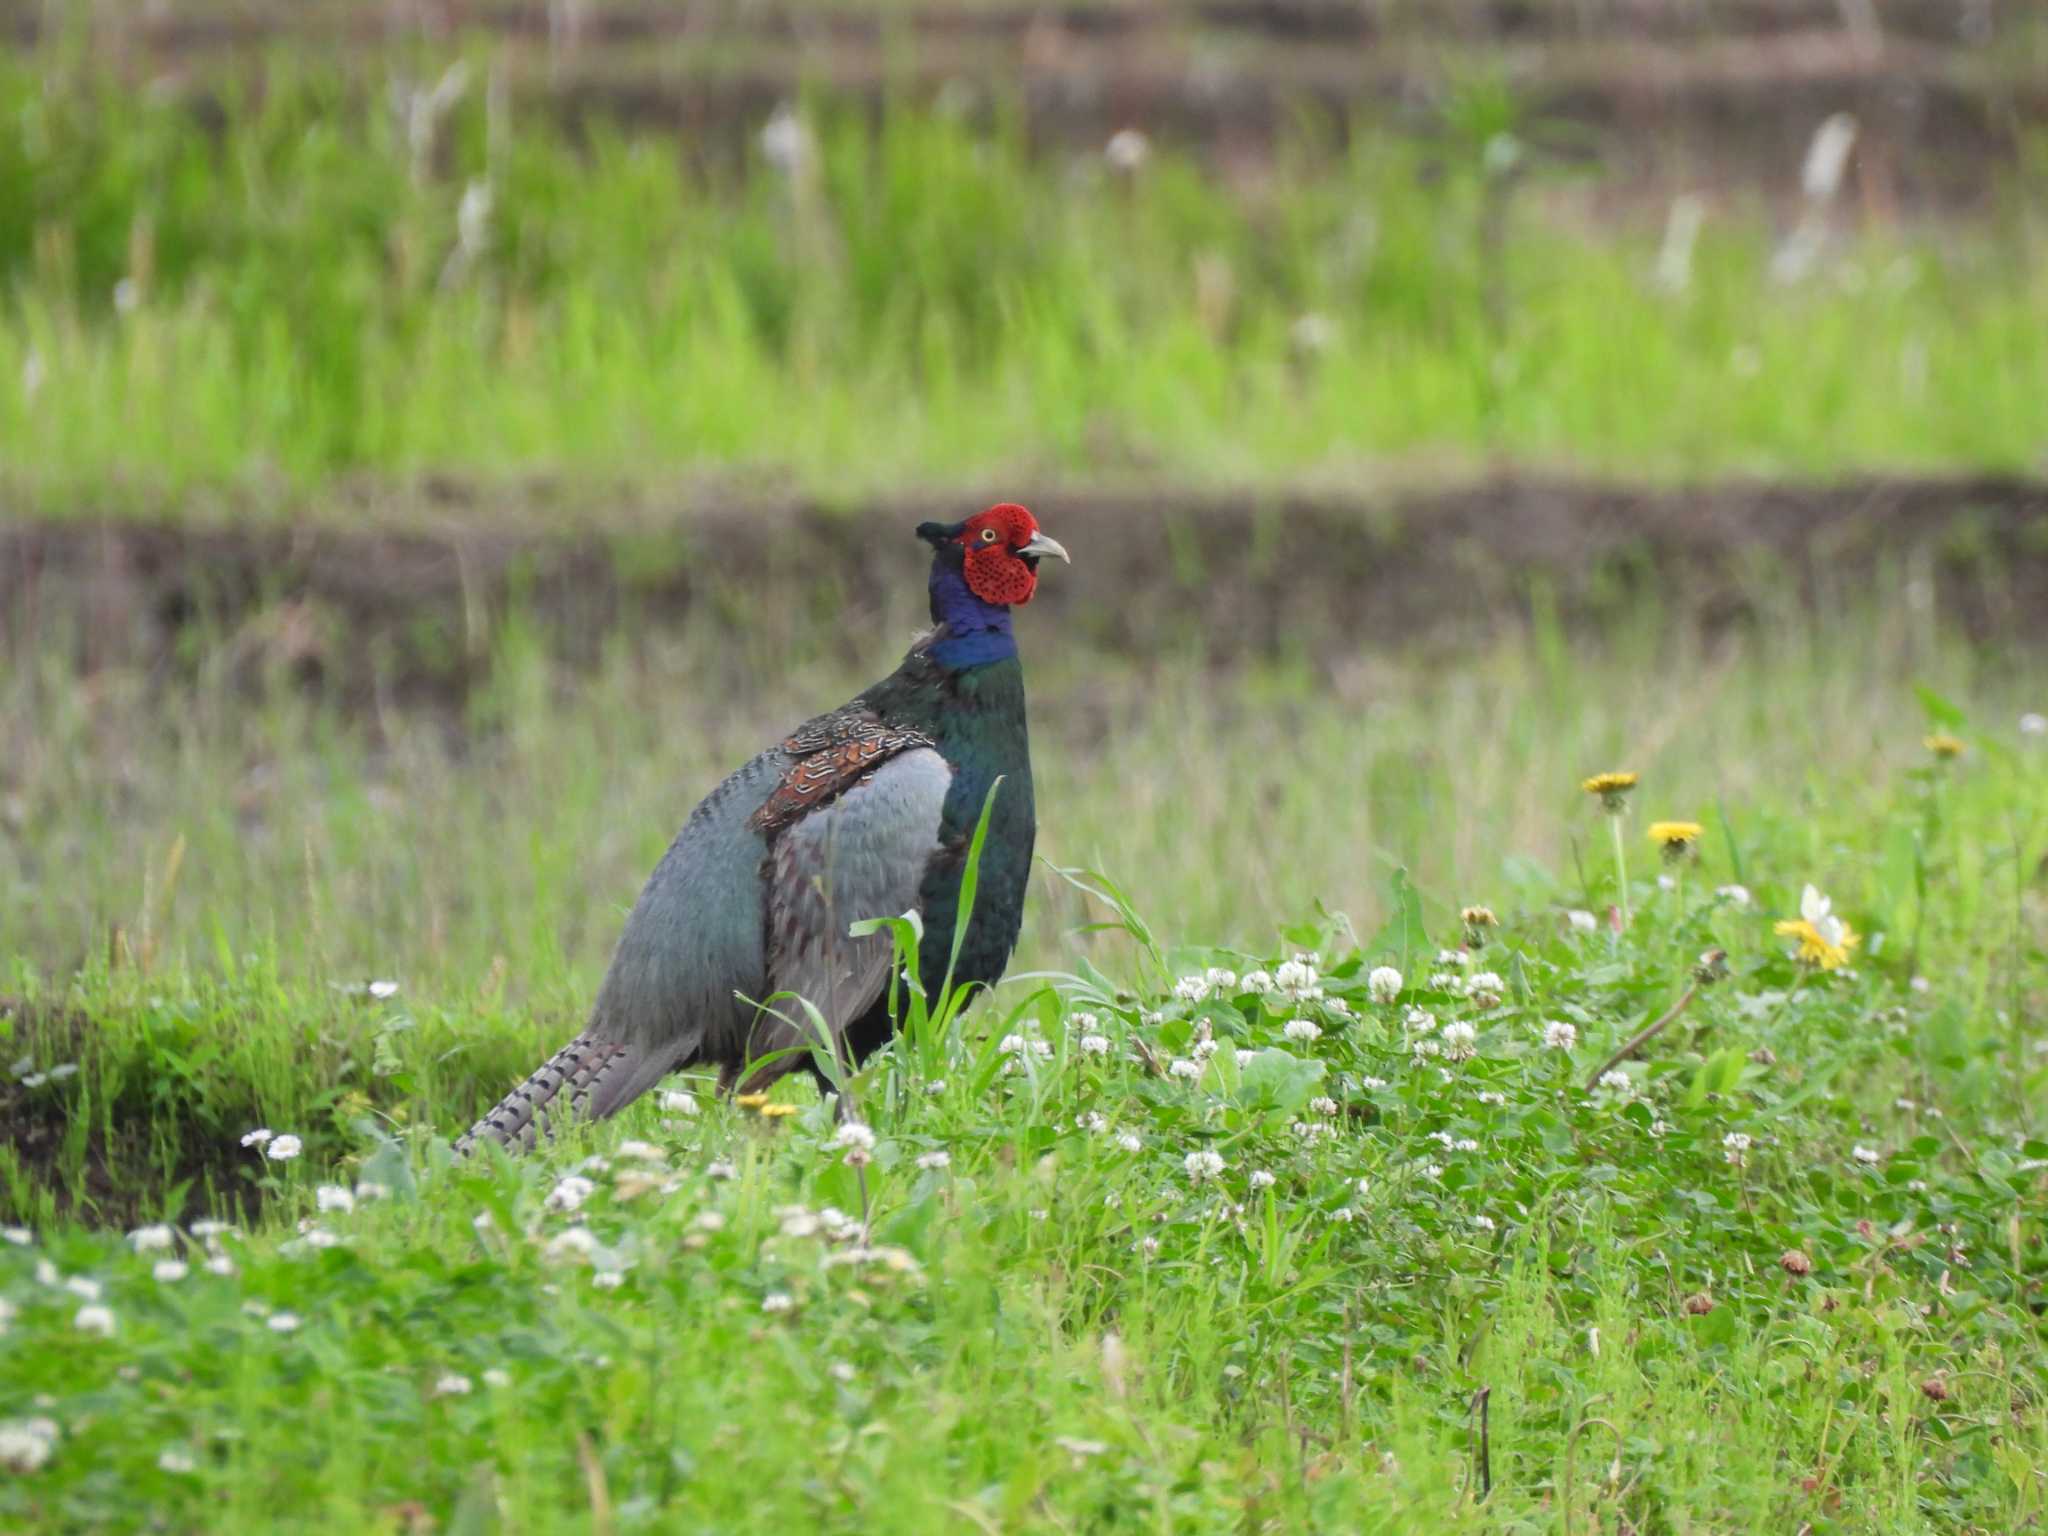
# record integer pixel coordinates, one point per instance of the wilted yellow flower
(1945, 746)
(1612, 788)
(1477, 920)
(1824, 939)
(1676, 838)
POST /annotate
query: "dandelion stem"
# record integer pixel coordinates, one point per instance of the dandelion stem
(1620, 867)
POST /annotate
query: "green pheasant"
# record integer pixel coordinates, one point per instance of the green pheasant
(864, 812)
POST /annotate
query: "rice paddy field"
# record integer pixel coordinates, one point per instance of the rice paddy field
(1532, 1013)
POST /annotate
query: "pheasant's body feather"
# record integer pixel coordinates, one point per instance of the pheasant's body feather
(868, 811)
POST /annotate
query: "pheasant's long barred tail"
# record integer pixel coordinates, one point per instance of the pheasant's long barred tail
(524, 1113)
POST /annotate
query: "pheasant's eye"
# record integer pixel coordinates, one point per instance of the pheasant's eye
(988, 535)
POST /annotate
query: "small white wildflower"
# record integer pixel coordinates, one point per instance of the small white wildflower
(856, 1135)
(282, 1149)
(786, 142)
(1261, 1179)
(1484, 1223)
(175, 1461)
(1343, 1213)
(83, 1288)
(1582, 921)
(1460, 1041)
(1921, 984)
(1202, 1165)
(641, 1151)
(1419, 1021)
(1660, 1128)
(320, 1237)
(497, 1378)
(778, 1301)
(1491, 1096)
(1370, 1084)
(21, 1237)
(674, 1101)
(1430, 1170)
(570, 1192)
(35, 1080)
(1192, 989)
(282, 1322)
(257, 1137)
(1666, 883)
(1204, 1048)
(452, 1385)
(1486, 989)
(1323, 1105)
(720, 1169)
(1736, 896)
(63, 1070)
(933, 1161)
(151, 1239)
(1384, 984)
(1464, 1144)
(1560, 1036)
(1917, 1186)
(1426, 1048)
(168, 1271)
(332, 1197)
(2032, 724)
(94, 1319)
(209, 1229)
(1094, 1045)
(798, 1221)
(1304, 1030)
(572, 1242)
(1868, 1156)
(1129, 1141)
(1182, 1066)
(369, 1190)
(608, 1279)
(1127, 151)
(1221, 980)
(1338, 1006)
(1908, 1105)
(842, 1372)
(1617, 1081)
(23, 1446)
(1453, 957)
(935, 1087)
(1735, 1147)
(709, 1221)
(220, 1264)
(1245, 1056)
(1093, 1120)
(1257, 981)
(1298, 979)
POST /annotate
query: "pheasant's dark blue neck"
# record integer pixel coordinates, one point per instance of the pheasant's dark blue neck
(976, 632)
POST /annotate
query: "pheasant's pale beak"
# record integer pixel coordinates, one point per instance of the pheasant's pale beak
(1042, 544)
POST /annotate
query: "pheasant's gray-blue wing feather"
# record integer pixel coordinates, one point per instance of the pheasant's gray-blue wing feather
(863, 855)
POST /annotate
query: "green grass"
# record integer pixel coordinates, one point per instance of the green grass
(1054, 1332)
(929, 301)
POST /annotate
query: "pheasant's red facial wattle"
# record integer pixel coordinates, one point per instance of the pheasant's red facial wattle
(996, 571)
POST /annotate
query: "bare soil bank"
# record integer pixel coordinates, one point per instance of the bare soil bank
(362, 613)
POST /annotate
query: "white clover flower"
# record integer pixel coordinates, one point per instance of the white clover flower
(778, 1301)
(1484, 1223)
(21, 1237)
(856, 1135)
(1221, 980)
(935, 1087)
(175, 1461)
(570, 1192)
(1192, 989)
(151, 1239)
(1445, 981)
(1304, 1030)
(674, 1101)
(720, 1169)
(452, 1385)
(1736, 896)
(1460, 1041)
(931, 1161)
(841, 1372)
(1618, 1082)
(798, 1221)
(332, 1197)
(1582, 921)
(572, 1242)
(1343, 1214)
(94, 1319)
(607, 1279)
(1182, 1066)
(1246, 1056)
(1383, 985)
(1453, 957)
(1491, 1096)
(83, 1288)
(641, 1151)
(1372, 1083)
(282, 1149)
(1323, 1105)
(24, 1447)
(209, 1229)
(1560, 1036)
(1868, 1156)
(1426, 1048)
(1735, 1147)
(1257, 981)
(1338, 1006)
(2032, 724)
(1082, 1023)
(1202, 1165)
(1091, 1120)
(1129, 1141)
(1660, 1128)
(497, 1378)
(1094, 1045)
(1486, 989)
(220, 1264)
(1204, 1048)
(1430, 1170)
(1260, 1179)
(1419, 1021)
(168, 1271)
(1298, 979)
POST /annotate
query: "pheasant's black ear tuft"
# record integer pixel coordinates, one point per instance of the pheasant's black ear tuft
(940, 533)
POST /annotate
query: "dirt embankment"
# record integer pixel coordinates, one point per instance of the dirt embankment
(357, 614)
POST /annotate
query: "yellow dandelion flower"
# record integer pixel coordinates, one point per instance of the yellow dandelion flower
(750, 1100)
(776, 1111)
(1612, 788)
(1676, 838)
(1945, 746)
